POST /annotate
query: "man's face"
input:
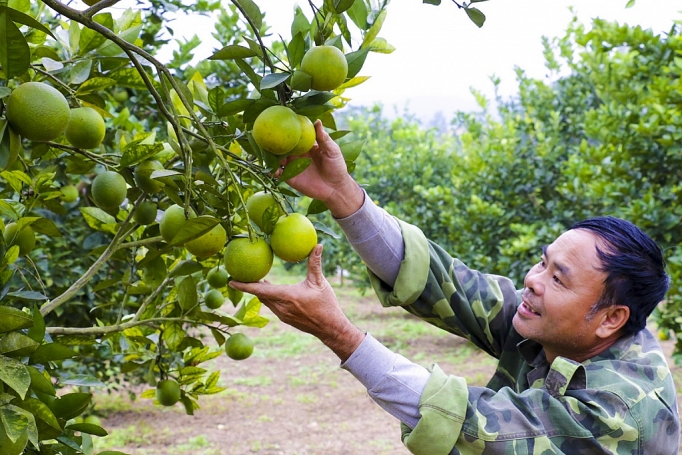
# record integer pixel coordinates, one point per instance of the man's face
(559, 293)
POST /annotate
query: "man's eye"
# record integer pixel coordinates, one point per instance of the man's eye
(557, 280)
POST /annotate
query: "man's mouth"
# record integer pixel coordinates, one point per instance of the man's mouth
(527, 310)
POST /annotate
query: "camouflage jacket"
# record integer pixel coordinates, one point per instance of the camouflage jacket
(622, 401)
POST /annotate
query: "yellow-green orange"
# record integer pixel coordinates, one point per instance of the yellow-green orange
(69, 193)
(327, 67)
(108, 190)
(142, 175)
(38, 111)
(258, 203)
(277, 130)
(208, 244)
(172, 221)
(307, 140)
(168, 392)
(293, 238)
(214, 299)
(248, 261)
(239, 347)
(24, 239)
(91, 2)
(85, 129)
(217, 277)
(145, 213)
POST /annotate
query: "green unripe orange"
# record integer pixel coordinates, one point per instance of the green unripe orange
(208, 244)
(172, 221)
(277, 129)
(258, 203)
(85, 129)
(327, 67)
(214, 299)
(168, 392)
(145, 213)
(239, 347)
(308, 136)
(69, 193)
(217, 277)
(293, 238)
(142, 175)
(248, 261)
(37, 111)
(109, 190)
(24, 239)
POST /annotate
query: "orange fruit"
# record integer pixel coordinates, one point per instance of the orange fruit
(85, 129)
(248, 261)
(277, 129)
(239, 347)
(327, 67)
(37, 111)
(109, 190)
(293, 238)
(168, 392)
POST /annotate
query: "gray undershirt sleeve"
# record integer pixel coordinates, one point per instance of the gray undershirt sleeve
(392, 381)
(376, 237)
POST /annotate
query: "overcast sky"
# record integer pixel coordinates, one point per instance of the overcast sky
(440, 53)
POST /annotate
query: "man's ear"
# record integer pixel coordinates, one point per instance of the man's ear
(613, 319)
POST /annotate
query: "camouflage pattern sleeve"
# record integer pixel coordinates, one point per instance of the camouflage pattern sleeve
(444, 292)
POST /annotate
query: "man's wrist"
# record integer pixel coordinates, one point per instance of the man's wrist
(346, 200)
(344, 342)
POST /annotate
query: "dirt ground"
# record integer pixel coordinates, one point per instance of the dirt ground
(291, 398)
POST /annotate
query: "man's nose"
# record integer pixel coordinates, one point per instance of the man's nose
(533, 283)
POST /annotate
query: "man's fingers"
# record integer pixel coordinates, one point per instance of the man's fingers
(315, 275)
(325, 143)
(260, 289)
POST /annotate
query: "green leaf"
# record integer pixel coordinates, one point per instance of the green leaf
(51, 352)
(249, 72)
(187, 293)
(37, 331)
(273, 80)
(98, 219)
(17, 422)
(47, 227)
(15, 55)
(629, 4)
(431, 2)
(82, 380)
(71, 405)
(129, 77)
(15, 375)
(381, 46)
(351, 150)
(316, 206)
(27, 295)
(90, 39)
(89, 428)
(95, 84)
(341, 6)
(255, 109)
(476, 16)
(194, 228)
(136, 153)
(16, 344)
(40, 411)
(186, 267)
(355, 62)
(13, 319)
(39, 382)
(250, 316)
(295, 167)
(25, 19)
(234, 51)
(114, 452)
(252, 12)
(358, 14)
(110, 49)
(325, 229)
(374, 30)
(234, 107)
(296, 50)
(80, 72)
(173, 334)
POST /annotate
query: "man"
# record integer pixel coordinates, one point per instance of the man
(578, 371)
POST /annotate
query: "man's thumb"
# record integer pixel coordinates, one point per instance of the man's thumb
(315, 265)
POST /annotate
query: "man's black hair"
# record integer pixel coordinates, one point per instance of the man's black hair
(634, 266)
